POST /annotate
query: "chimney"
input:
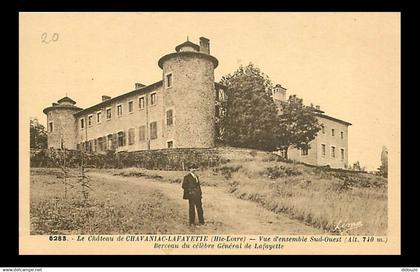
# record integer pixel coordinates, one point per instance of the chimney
(138, 85)
(105, 98)
(204, 45)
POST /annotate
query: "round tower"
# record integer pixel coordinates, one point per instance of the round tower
(189, 93)
(61, 124)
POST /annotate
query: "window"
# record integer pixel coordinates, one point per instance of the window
(89, 146)
(50, 127)
(342, 135)
(95, 145)
(342, 154)
(332, 151)
(141, 103)
(90, 118)
(304, 152)
(108, 113)
(217, 111)
(170, 144)
(153, 99)
(119, 110)
(169, 80)
(142, 133)
(169, 118)
(98, 116)
(109, 145)
(323, 150)
(82, 123)
(332, 132)
(100, 144)
(323, 129)
(130, 106)
(220, 95)
(121, 138)
(153, 130)
(131, 136)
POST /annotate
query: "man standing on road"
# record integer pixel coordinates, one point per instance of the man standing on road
(192, 192)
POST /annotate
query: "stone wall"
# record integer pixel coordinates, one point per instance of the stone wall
(192, 96)
(63, 123)
(164, 159)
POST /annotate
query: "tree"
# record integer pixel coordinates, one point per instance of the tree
(249, 116)
(298, 125)
(383, 168)
(38, 134)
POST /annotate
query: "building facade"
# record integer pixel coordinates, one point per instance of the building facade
(330, 146)
(177, 112)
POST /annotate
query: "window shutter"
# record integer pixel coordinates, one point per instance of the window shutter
(114, 141)
(142, 133)
(124, 138)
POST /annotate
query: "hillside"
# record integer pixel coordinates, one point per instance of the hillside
(328, 199)
(252, 190)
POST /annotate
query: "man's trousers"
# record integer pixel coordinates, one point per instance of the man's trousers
(195, 203)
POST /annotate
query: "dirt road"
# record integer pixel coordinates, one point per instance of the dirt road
(224, 214)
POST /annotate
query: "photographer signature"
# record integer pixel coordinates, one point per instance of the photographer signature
(344, 228)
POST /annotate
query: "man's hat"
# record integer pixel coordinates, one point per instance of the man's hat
(193, 167)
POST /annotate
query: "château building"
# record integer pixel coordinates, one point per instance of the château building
(178, 111)
(330, 146)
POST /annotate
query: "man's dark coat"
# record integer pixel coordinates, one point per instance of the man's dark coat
(191, 187)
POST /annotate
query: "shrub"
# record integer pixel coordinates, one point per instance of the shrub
(227, 170)
(281, 171)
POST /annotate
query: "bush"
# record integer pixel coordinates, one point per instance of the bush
(227, 170)
(281, 171)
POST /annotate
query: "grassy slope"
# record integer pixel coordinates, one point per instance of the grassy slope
(319, 197)
(114, 209)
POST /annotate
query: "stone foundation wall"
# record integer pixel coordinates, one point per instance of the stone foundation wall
(163, 159)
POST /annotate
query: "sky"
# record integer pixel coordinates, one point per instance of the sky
(348, 63)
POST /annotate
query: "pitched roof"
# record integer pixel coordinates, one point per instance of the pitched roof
(320, 113)
(109, 101)
(66, 99)
(187, 43)
(61, 106)
(333, 119)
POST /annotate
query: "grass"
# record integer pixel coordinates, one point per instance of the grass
(111, 209)
(323, 198)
